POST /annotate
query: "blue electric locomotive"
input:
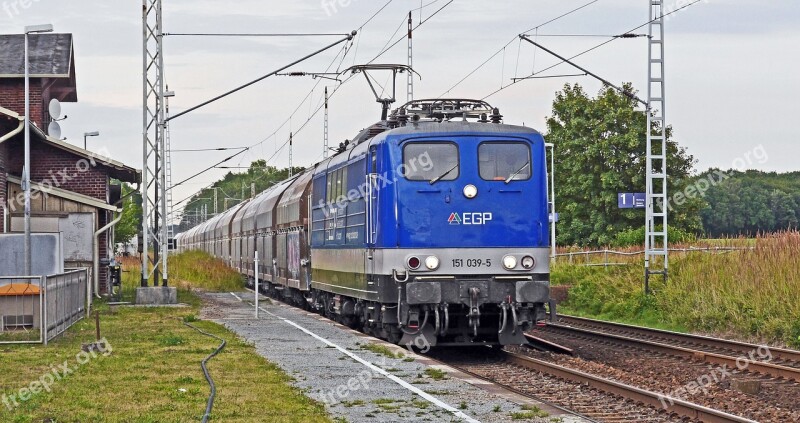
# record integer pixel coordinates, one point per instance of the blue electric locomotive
(431, 225)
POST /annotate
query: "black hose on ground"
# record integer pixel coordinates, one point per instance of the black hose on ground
(219, 349)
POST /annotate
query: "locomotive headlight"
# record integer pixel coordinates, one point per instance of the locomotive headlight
(432, 263)
(470, 191)
(509, 262)
(528, 262)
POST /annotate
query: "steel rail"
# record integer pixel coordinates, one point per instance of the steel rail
(740, 347)
(749, 364)
(658, 401)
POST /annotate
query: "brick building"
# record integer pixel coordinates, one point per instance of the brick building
(71, 187)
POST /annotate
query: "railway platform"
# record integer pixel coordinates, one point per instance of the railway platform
(362, 379)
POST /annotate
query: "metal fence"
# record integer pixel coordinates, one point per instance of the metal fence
(65, 296)
(607, 258)
(36, 309)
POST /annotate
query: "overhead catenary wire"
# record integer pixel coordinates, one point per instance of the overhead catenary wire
(241, 87)
(413, 30)
(586, 71)
(502, 49)
(211, 34)
(349, 78)
(592, 48)
(336, 88)
(626, 35)
(206, 169)
(345, 49)
(196, 150)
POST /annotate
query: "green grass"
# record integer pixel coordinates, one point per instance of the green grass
(198, 269)
(529, 412)
(381, 350)
(435, 374)
(388, 404)
(31, 335)
(748, 293)
(153, 373)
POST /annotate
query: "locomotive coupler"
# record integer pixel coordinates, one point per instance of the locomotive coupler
(503, 317)
(474, 309)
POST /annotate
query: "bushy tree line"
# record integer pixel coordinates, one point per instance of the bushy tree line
(750, 202)
(232, 189)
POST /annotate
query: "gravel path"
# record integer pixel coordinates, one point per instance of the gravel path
(354, 375)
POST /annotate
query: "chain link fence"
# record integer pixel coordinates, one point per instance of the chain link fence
(36, 309)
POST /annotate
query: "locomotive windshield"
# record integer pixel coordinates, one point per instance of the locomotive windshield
(431, 161)
(504, 161)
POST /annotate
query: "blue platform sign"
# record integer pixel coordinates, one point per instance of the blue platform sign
(630, 200)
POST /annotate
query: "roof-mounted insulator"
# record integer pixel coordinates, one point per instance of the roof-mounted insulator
(483, 118)
(402, 116)
(343, 146)
(496, 116)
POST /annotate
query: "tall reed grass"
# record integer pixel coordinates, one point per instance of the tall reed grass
(753, 293)
(189, 270)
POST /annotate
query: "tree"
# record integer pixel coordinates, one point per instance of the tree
(232, 189)
(129, 225)
(745, 203)
(600, 152)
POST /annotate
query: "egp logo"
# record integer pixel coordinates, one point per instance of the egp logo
(471, 219)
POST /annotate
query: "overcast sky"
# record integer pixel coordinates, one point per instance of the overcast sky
(732, 69)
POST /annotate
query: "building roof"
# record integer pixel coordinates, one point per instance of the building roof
(49, 55)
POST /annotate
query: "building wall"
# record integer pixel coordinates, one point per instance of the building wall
(55, 206)
(12, 97)
(63, 170)
(3, 185)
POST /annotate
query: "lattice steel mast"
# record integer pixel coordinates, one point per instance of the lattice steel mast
(154, 206)
(656, 243)
(168, 158)
(410, 80)
(325, 147)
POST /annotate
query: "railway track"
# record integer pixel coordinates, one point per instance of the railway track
(589, 396)
(773, 362)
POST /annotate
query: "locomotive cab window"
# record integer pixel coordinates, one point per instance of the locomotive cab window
(505, 161)
(431, 161)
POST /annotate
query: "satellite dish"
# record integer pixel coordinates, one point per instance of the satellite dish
(55, 109)
(54, 130)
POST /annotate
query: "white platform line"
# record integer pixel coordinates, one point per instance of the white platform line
(430, 398)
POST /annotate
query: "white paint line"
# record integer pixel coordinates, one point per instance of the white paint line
(430, 398)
